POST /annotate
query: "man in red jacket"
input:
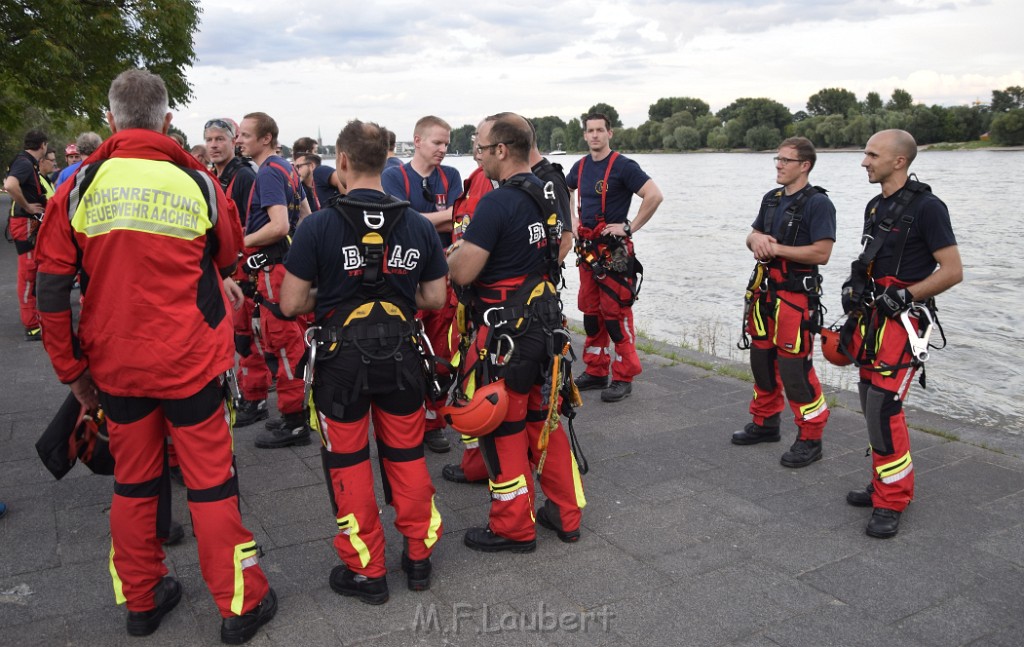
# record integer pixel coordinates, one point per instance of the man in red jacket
(152, 235)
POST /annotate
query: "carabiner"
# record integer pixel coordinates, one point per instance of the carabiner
(499, 358)
(918, 339)
(308, 336)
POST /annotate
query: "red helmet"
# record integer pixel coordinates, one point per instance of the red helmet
(480, 415)
(831, 350)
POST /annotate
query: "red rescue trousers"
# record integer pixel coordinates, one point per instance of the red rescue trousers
(781, 362)
(253, 375)
(228, 555)
(607, 321)
(282, 338)
(437, 324)
(28, 266)
(881, 392)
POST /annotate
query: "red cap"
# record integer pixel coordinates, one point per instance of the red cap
(71, 150)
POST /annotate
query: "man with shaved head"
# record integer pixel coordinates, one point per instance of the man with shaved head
(909, 256)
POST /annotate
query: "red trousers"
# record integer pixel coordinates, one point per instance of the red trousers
(398, 428)
(138, 429)
(437, 324)
(882, 391)
(607, 322)
(283, 338)
(27, 268)
(781, 361)
(253, 375)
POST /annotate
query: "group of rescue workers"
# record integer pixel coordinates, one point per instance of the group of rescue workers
(413, 300)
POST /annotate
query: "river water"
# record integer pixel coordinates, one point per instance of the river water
(697, 265)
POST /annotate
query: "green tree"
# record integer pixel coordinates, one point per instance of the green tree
(705, 125)
(762, 138)
(462, 139)
(625, 139)
(558, 139)
(718, 139)
(1008, 128)
(574, 136)
(648, 136)
(61, 55)
(665, 108)
(832, 101)
(756, 112)
(872, 104)
(545, 126)
(831, 131)
(1009, 99)
(605, 109)
(669, 125)
(964, 123)
(900, 101)
(686, 138)
(926, 124)
(858, 131)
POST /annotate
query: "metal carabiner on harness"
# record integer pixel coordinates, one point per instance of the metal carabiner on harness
(502, 359)
(426, 351)
(918, 339)
(487, 314)
(307, 372)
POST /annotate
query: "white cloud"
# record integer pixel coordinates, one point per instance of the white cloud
(314, 64)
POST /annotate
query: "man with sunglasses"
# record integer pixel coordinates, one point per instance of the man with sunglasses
(323, 177)
(792, 235)
(431, 189)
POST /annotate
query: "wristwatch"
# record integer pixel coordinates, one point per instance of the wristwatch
(627, 228)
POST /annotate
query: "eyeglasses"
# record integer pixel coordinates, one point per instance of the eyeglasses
(427, 195)
(220, 123)
(785, 160)
(480, 149)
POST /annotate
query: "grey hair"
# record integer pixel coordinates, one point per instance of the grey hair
(138, 99)
(88, 142)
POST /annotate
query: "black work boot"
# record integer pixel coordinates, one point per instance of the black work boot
(371, 590)
(754, 433)
(417, 572)
(239, 629)
(166, 595)
(454, 473)
(436, 442)
(484, 540)
(294, 431)
(884, 523)
(250, 411)
(618, 390)
(861, 498)
(567, 536)
(802, 453)
(588, 382)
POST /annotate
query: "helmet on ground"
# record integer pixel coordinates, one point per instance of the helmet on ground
(481, 414)
(831, 350)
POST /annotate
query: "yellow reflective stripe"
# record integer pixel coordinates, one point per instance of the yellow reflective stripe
(470, 442)
(118, 585)
(435, 525)
(365, 309)
(348, 525)
(759, 328)
(509, 489)
(878, 342)
(814, 409)
(121, 196)
(896, 470)
(245, 556)
(577, 483)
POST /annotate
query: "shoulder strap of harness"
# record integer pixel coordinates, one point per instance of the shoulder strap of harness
(405, 177)
(544, 198)
(373, 223)
(604, 187)
(873, 242)
(793, 214)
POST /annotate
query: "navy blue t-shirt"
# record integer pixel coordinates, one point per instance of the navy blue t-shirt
(325, 250)
(625, 180)
(930, 231)
(507, 223)
(322, 184)
(276, 184)
(818, 220)
(443, 186)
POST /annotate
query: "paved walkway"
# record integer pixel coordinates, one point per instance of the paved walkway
(687, 539)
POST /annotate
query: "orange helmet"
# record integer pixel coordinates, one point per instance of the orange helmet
(831, 350)
(480, 415)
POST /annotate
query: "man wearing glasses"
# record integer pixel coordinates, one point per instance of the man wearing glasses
(306, 165)
(431, 189)
(324, 183)
(792, 235)
(606, 183)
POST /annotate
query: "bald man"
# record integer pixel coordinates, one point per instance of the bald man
(910, 256)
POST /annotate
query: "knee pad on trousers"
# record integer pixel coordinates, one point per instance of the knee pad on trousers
(614, 329)
(762, 365)
(882, 405)
(793, 371)
(862, 389)
(243, 345)
(591, 325)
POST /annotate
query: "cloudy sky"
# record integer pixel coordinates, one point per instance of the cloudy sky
(315, 64)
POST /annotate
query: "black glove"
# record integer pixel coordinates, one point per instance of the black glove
(893, 301)
(848, 300)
